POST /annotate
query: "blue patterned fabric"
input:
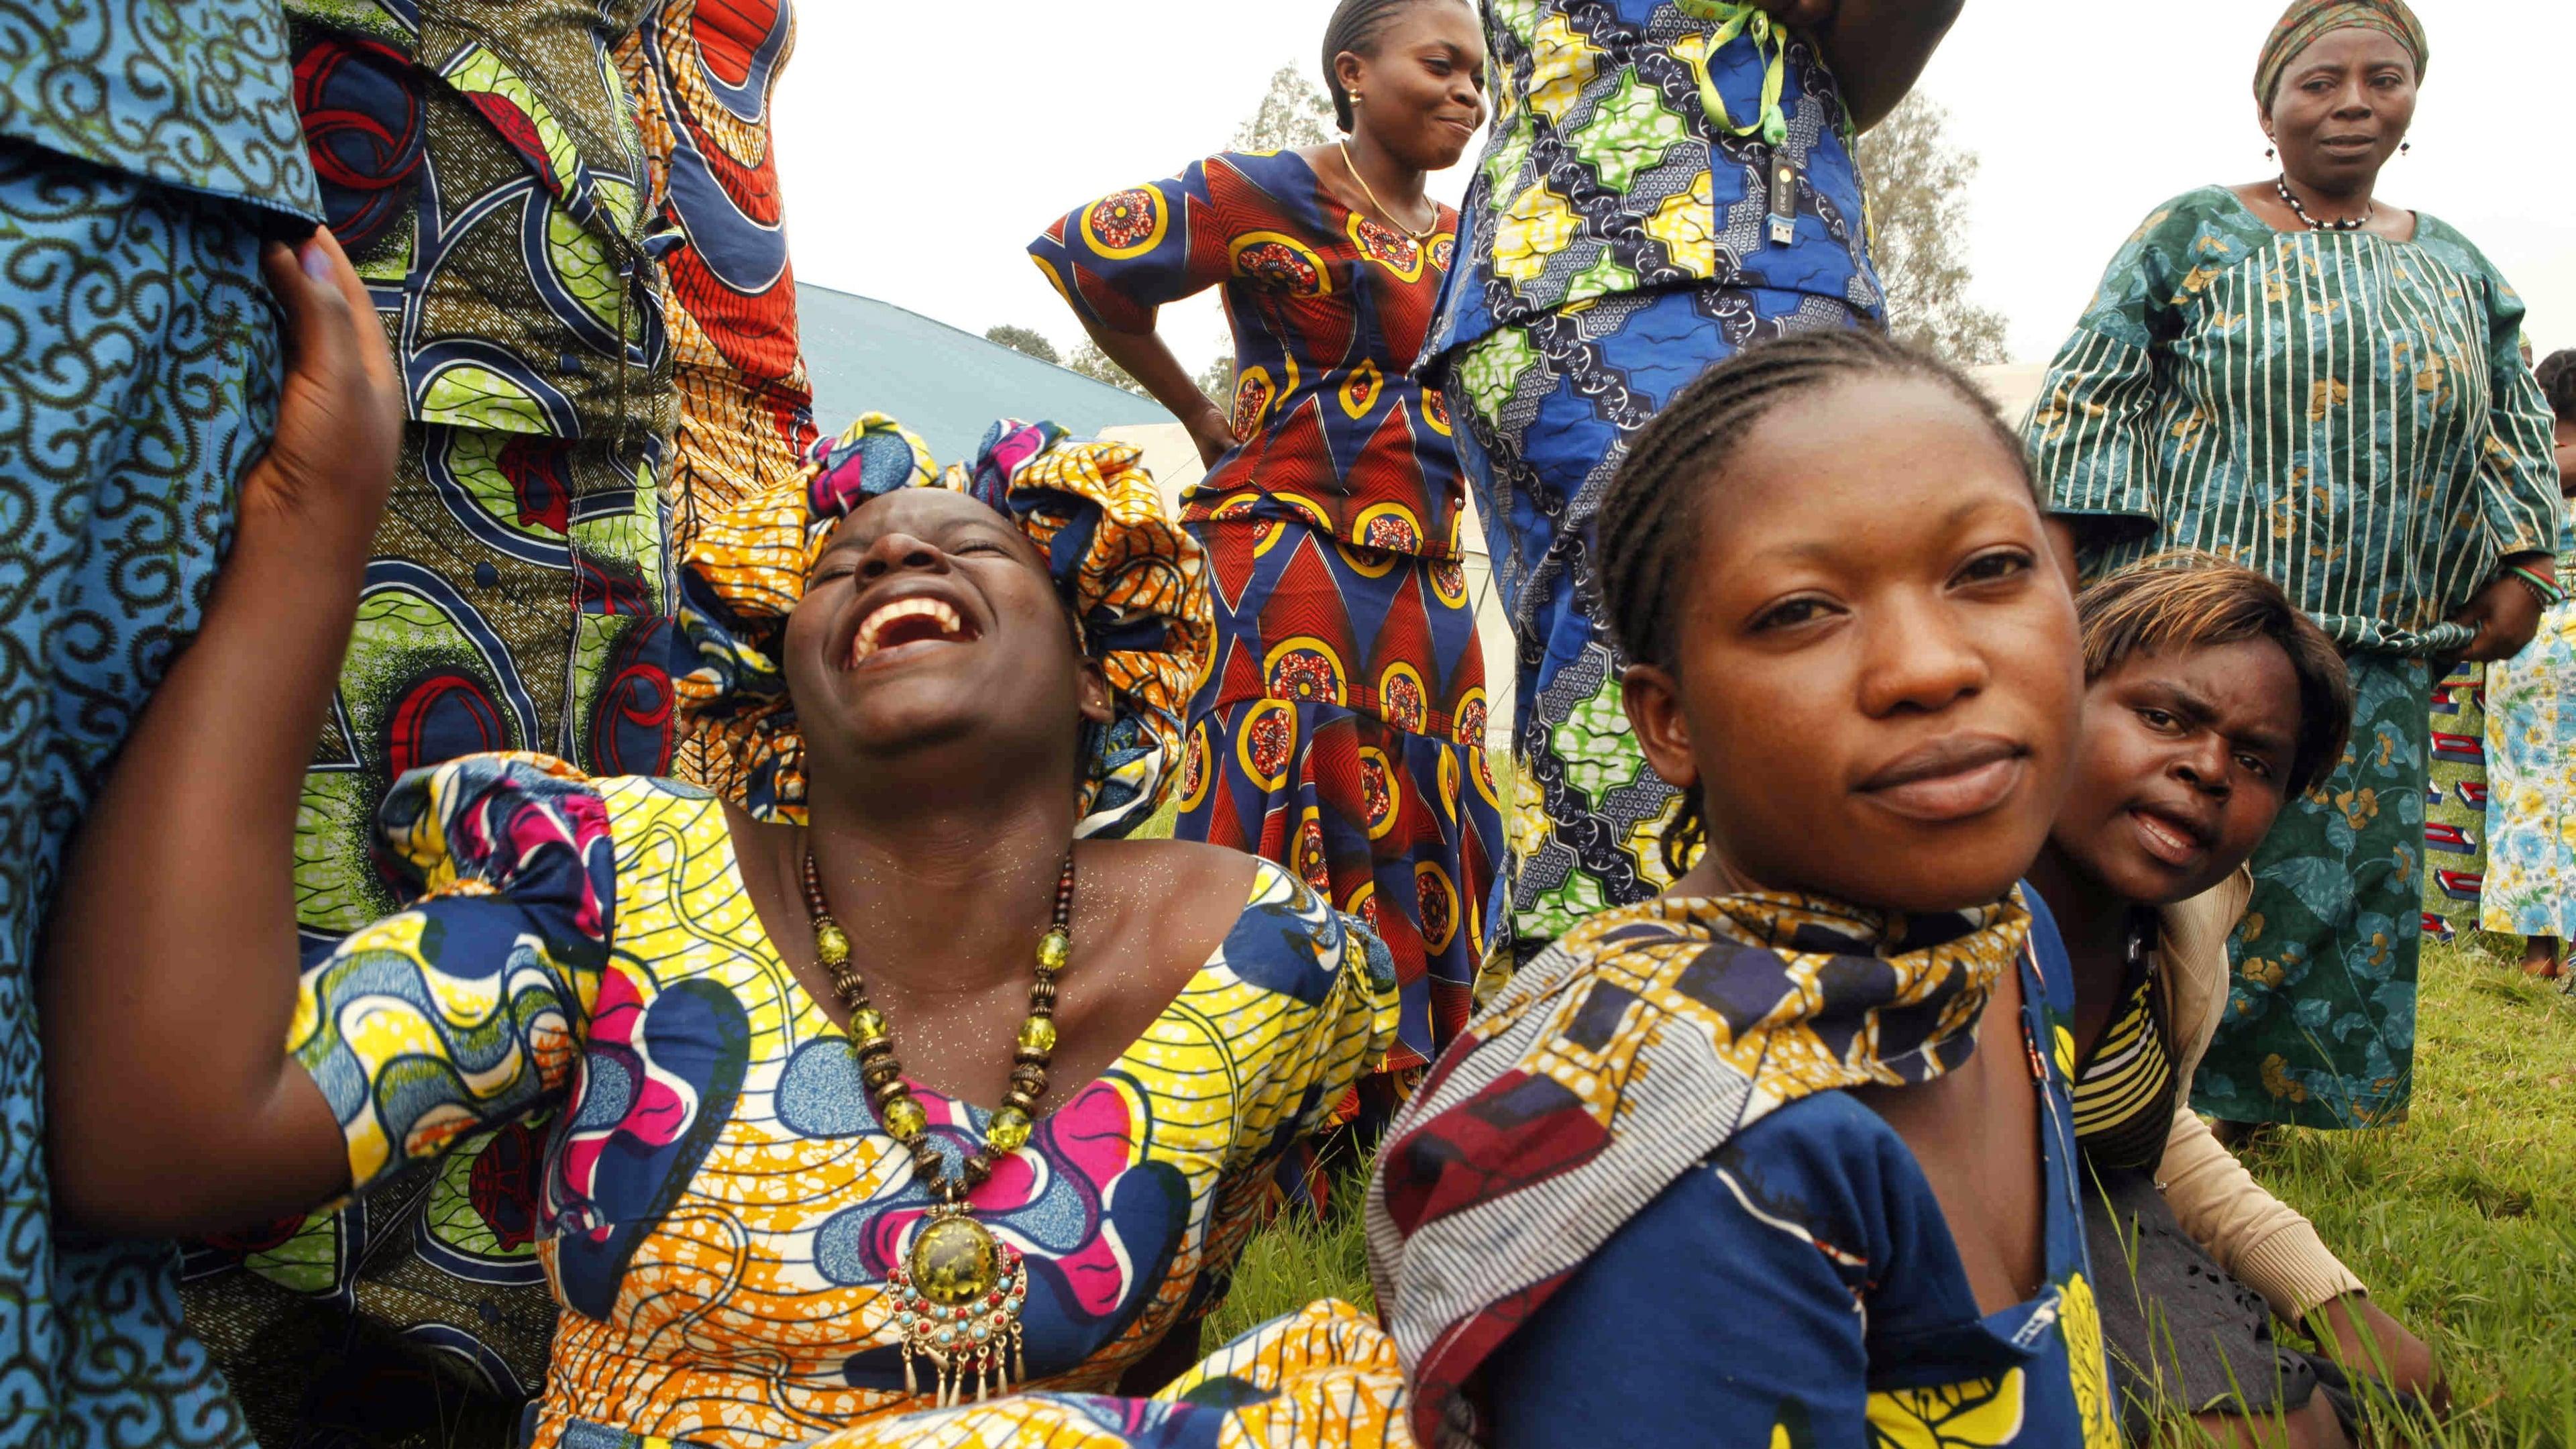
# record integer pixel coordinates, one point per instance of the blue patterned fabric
(1609, 172)
(1810, 1248)
(189, 93)
(139, 360)
(1546, 409)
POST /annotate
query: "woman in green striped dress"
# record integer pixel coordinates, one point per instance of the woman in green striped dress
(2325, 388)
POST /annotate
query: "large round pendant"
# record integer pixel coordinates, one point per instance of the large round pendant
(957, 1299)
(954, 1261)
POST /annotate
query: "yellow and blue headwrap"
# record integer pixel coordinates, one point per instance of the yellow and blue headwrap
(2305, 20)
(1136, 583)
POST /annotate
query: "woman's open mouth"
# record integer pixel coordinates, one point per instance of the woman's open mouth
(904, 628)
(2168, 838)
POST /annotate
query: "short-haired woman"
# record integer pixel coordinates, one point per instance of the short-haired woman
(2209, 701)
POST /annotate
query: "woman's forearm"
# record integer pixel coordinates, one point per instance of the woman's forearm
(170, 975)
(1150, 361)
(1878, 49)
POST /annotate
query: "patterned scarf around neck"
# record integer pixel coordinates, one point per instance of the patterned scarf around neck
(1632, 1048)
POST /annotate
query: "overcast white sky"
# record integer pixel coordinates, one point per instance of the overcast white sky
(922, 145)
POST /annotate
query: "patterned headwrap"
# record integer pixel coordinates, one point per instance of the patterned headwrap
(1134, 579)
(2305, 20)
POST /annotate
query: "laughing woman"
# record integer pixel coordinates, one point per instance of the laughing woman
(1340, 727)
(770, 1200)
(2327, 389)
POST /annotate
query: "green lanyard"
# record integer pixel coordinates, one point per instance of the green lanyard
(1740, 17)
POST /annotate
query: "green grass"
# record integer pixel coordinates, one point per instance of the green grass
(2462, 1221)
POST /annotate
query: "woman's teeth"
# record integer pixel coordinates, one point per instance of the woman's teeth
(877, 625)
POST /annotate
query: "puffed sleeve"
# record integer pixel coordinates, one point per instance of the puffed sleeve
(1297, 1005)
(2091, 429)
(1118, 259)
(1326, 994)
(467, 1008)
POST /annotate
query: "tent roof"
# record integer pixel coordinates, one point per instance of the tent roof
(945, 384)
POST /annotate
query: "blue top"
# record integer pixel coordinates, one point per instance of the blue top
(191, 93)
(1801, 1287)
(1606, 172)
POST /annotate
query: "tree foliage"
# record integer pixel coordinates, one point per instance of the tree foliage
(1217, 378)
(1095, 364)
(1025, 339)
(1292, 113)
(1918, 188)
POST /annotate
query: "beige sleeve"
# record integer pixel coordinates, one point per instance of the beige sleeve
(2261, 1241)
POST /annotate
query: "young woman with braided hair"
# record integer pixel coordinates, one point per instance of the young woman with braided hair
(1340, 728)
(1656, 1178)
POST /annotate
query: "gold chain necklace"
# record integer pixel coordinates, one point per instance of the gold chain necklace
(958, 1289)
(1420, 238)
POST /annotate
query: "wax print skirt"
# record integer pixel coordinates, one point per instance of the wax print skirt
(1550, 406)
(2455, 806)
(2320, 1023)
(1340, 732)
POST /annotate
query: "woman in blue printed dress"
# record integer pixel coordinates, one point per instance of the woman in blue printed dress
(1668, 181)
(1340, 727)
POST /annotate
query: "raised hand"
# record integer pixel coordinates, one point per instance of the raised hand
(321, 488)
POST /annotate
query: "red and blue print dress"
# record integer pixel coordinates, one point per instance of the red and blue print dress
(1340, 729)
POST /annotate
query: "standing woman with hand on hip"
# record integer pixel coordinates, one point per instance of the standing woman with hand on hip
(1340, 727)
(2327, 389)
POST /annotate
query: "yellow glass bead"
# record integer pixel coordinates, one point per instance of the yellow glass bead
(904, 1119)
(831, 943)
(1038, 1034)
(867, 1024)
(1054, 950)
(1008, 1132)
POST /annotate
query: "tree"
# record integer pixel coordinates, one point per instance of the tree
(1025, 339)
(1918, 189)
(1093, 363)
(1292, 113)
(1217, 380)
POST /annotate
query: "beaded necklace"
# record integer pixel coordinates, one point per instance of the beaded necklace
(2341, 223)
(958, 1289)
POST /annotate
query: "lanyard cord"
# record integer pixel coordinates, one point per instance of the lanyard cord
(1770, 42)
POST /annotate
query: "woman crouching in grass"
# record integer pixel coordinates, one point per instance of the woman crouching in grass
(2209, 701)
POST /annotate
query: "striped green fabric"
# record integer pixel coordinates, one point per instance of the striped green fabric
(2346, 414)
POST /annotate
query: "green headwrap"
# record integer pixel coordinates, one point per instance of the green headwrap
(2305, 20)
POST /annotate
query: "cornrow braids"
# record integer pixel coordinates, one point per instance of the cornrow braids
(2186, 599)
(2557, 373)
(1649, 525)
(1356, 26)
